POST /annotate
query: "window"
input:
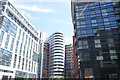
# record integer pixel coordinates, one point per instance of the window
(97, 41)
(83, 32)
(1, 37)
(93, 21)
(7, 41)
(23, 37)
(99, 57)
(106, 19)
(112, 51)
(106, 23)
(114, 57)
(11, 48)
(83, 44)
(19, 34)
(104, 11)
(83, 22)
(104, 14)
(16, 47)
(15, 58)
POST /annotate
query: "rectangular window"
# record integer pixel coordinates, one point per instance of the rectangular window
(112, 51)
(15, 58)
(1, 37)
(11, 48)
(19, 62)
(23, 37)
(19, 34)
(23, 63)
(114, 57)
(26, 64)
(20, 49)
(94, 21)
(99, 57)
(106, 19)
(7, 41)
(16, 47)
(97, 41)
(26, 39)
(83, 44)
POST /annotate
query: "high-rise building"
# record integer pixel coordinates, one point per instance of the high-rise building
(55, 56)
(19, 44)
(45, 66)
(97, 38)
(70, 60)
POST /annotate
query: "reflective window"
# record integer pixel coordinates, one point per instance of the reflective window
(112, 51)
(99, 57)
(11, 48)
(15, 58)
(83, 44)
(7, 41)
(1, 37)
(16, 47)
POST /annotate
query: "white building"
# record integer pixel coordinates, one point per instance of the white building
(56, 55)
(20, 44)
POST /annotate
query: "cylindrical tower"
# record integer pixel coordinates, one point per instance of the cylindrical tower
(57, 54)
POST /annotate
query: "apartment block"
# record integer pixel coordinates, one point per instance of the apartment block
(54, 56)
(70, 62)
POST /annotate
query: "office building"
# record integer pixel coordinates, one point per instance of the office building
(55, 55)
(97, 39)
(19, 44)
(70, 60)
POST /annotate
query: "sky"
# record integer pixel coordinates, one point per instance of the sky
(48, 15)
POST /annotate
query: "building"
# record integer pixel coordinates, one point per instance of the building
(97, 39)
(70, 60)
(45, 67)
(53, 67)
(19, 44)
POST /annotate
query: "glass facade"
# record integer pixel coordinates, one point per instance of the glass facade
(97, 35)
(19, 44)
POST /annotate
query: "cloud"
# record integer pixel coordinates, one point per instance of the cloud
(35, 8)
(27, 15)
(42, 0)
(68, 40)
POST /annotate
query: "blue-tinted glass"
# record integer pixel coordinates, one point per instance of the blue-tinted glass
(89, 31)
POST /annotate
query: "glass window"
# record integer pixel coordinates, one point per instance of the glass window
(112, 51)
(114, 57)
(94, 21)
(104, 11)
(16, 47)
(106, 23)
(19, 34)
(83, 32)
(15, 58)
(110, 40)
(83, 44)
(106, 19)
(7, 41)
(23, 37)
(97, 45)
(11, 48)
(1, 37)
(99, 57)
(104, 14)
(82, 22)
(97, 41)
